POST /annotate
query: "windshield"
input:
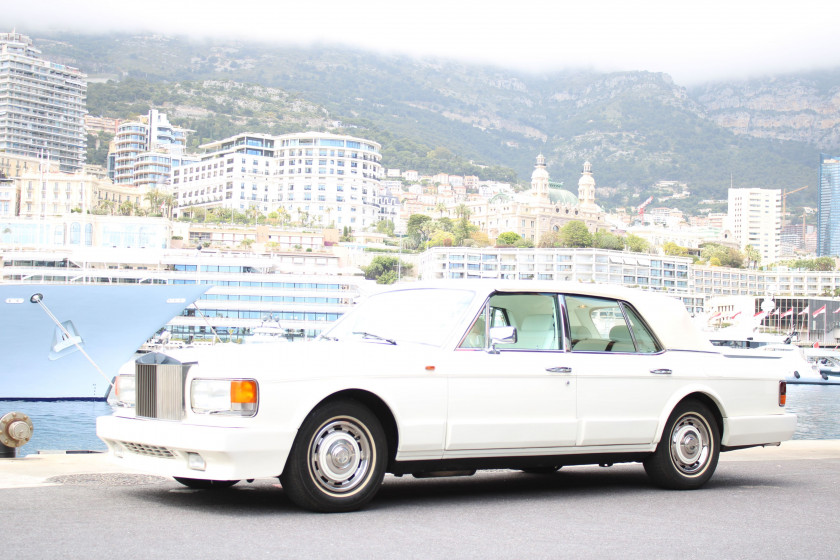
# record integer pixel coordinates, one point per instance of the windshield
(424, 316)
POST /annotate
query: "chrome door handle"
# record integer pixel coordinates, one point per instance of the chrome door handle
(558, 369)
(663, 371)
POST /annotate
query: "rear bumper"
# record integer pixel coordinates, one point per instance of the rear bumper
(747, 431)
(162, 447)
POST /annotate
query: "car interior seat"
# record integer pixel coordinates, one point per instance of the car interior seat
(537, 332)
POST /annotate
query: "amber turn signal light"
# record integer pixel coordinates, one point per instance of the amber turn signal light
(243, 391)
(782, 393)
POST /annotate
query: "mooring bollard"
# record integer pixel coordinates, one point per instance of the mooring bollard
(15, 431)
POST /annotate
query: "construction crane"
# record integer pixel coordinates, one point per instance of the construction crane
(641, 209)
(785, 194)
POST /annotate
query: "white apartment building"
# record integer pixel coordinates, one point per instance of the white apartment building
(42, 106)
(144, 152)
(317, 178)
(694, 284)
(755, 218)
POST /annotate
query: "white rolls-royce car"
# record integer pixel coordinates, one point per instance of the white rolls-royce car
(446, 378)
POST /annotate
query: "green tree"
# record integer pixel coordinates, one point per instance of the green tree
(575, 234)
(606, 240)
(550, 239)
(386, 227)
(383, 269)
(674, 250)
(418, 228)
(824, 264)
(636, 244)
(442, 238)
(507, 238)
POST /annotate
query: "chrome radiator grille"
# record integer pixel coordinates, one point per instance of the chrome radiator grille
(160, 388)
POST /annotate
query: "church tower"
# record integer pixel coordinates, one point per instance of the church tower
(586, 188)
(539, 180)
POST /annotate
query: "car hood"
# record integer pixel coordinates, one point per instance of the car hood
(306, 360)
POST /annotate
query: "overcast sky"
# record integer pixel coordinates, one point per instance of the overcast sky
(692, 41)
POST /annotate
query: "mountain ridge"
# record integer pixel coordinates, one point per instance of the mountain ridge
(636, 128)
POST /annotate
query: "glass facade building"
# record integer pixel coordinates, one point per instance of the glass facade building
(828, 213)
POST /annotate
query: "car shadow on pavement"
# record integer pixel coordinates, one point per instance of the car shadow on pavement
(265, 496)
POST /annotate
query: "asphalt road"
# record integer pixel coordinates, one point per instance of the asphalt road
(750, 509)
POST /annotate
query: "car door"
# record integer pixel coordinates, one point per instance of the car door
(515, 397)
(625, 379)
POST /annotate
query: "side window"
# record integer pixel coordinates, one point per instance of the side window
(598, 325)
(533, 315)
(645, 340)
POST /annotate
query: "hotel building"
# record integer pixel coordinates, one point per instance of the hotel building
(318, 179)
(42, 105)
(755, 218)
(144, 152)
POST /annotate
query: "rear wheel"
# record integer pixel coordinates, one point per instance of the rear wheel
(201, 484)
(337, 462)
(687, 454)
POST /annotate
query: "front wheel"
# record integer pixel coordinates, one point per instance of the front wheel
(337, 462)
(687, 454)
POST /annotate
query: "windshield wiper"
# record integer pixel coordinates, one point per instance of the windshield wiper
(375, 337)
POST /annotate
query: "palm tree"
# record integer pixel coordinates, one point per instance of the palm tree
(108, 206)
(167, 201)
(126, 208)
(440, 207)
(462, 211)
(753, 256)
(154, 197)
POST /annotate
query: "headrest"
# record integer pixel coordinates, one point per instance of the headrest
(620, 333)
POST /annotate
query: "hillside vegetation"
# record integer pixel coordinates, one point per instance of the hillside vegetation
(636, 128)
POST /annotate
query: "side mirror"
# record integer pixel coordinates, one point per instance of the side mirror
(501, 335)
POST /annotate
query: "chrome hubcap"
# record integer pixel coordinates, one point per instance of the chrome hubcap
(340, 456)
(691, 444)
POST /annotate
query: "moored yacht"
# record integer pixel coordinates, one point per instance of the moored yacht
(67, 341)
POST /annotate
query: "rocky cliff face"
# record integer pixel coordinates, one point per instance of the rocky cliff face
(783, 108)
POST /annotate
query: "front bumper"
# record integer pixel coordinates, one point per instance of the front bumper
(745, 431)
(162, 447)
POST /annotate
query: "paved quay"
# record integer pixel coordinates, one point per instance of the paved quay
(762, 503)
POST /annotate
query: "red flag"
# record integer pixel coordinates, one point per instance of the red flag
(787, 313)
(817, 344)
(804, 311)
(820, 311)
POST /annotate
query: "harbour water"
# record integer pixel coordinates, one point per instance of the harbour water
(71, 425)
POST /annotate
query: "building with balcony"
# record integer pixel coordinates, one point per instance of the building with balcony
(42, 105)
(755, 218)
(313, 178)
(145, 151)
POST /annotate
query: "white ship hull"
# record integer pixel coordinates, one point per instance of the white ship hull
(103, 324)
